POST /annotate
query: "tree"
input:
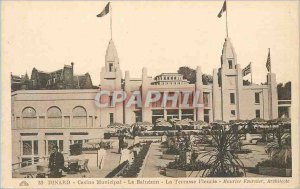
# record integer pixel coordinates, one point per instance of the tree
(190, 74)
(284, 91)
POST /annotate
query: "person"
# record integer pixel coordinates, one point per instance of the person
(164, 137)
(121, 142)
(101, 156)
(56, 163)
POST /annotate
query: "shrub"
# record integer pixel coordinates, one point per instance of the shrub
(135, 167)
(172, 151)
(197, 166)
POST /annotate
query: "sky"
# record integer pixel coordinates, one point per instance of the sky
(161, 36)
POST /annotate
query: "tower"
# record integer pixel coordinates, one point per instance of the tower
(231, 83)
(111, 81)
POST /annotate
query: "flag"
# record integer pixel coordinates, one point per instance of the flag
(105, 10)
(268, 64)
(222, 10)
(247, 70)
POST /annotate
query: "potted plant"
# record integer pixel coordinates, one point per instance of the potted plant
(280, 156)
(221, 162)
(183, 169)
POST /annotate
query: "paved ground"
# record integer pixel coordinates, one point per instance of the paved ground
(154, 161)
(111, 161)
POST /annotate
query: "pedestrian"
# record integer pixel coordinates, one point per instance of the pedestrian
(121, 142)
(56, 163)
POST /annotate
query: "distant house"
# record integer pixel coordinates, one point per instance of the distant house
(59, 79)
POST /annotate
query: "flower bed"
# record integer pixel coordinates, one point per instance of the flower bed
(117, 170)
(274, 168)
(133, 169)
(273, 171)
(170, 153)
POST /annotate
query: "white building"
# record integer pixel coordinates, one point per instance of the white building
(42, 118)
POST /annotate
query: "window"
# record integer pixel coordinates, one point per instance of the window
(111, 118)
(79, 117)
(52, 143)
(230, 64)
(110, 101)
(232, 112)
(206, 99)
(157, 114)
(206, 115)
(257, 99)
(171, 114)
(29, 152)
(138, 116)
(187, 114)
(29, 118)
(232, 98)
(110, 67)
(54, 117)
(257, 113)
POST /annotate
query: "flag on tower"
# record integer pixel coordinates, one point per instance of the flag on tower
(222, 10)
(268, 64)
(105, 10)
(247, 70)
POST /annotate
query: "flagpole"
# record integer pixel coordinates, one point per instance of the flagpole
(110, 7)
(270, 61)
(226, 19)
(251, 71)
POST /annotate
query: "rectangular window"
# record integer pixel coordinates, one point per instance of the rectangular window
(110, 67)
(27, 147)
(230, 64)
(111, 101)
(206, 115)
(232, 98)
(187, 114)
(111, 118)
(138, 116)
(52, 143)
(257, 113)
(232, 112)
(206, 99)
(171, 114)
(156, 114)
(257, 99)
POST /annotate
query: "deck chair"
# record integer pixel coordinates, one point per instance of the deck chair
(84, 166)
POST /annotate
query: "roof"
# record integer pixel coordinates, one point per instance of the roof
(111, 53)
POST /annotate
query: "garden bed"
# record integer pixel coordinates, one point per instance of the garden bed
(273, 171)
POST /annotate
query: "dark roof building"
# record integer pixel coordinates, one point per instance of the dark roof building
(59, 79)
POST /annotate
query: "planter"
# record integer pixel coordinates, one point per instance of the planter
(273, 171)
(180, 173)
(168, 156)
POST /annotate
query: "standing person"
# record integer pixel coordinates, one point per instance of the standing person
(101, 156)
(121, 142)
(56, 163)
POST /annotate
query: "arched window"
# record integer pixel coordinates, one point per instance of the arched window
(79, 117)
(29, 118)
(54, 117)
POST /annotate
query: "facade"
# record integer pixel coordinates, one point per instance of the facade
(42, 118)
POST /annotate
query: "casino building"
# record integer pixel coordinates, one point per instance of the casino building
(43, 118)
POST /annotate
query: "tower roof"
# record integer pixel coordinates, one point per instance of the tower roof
(111, 53)
(228, 50)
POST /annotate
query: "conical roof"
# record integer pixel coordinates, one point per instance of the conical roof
(228, 50)
(111, 53)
